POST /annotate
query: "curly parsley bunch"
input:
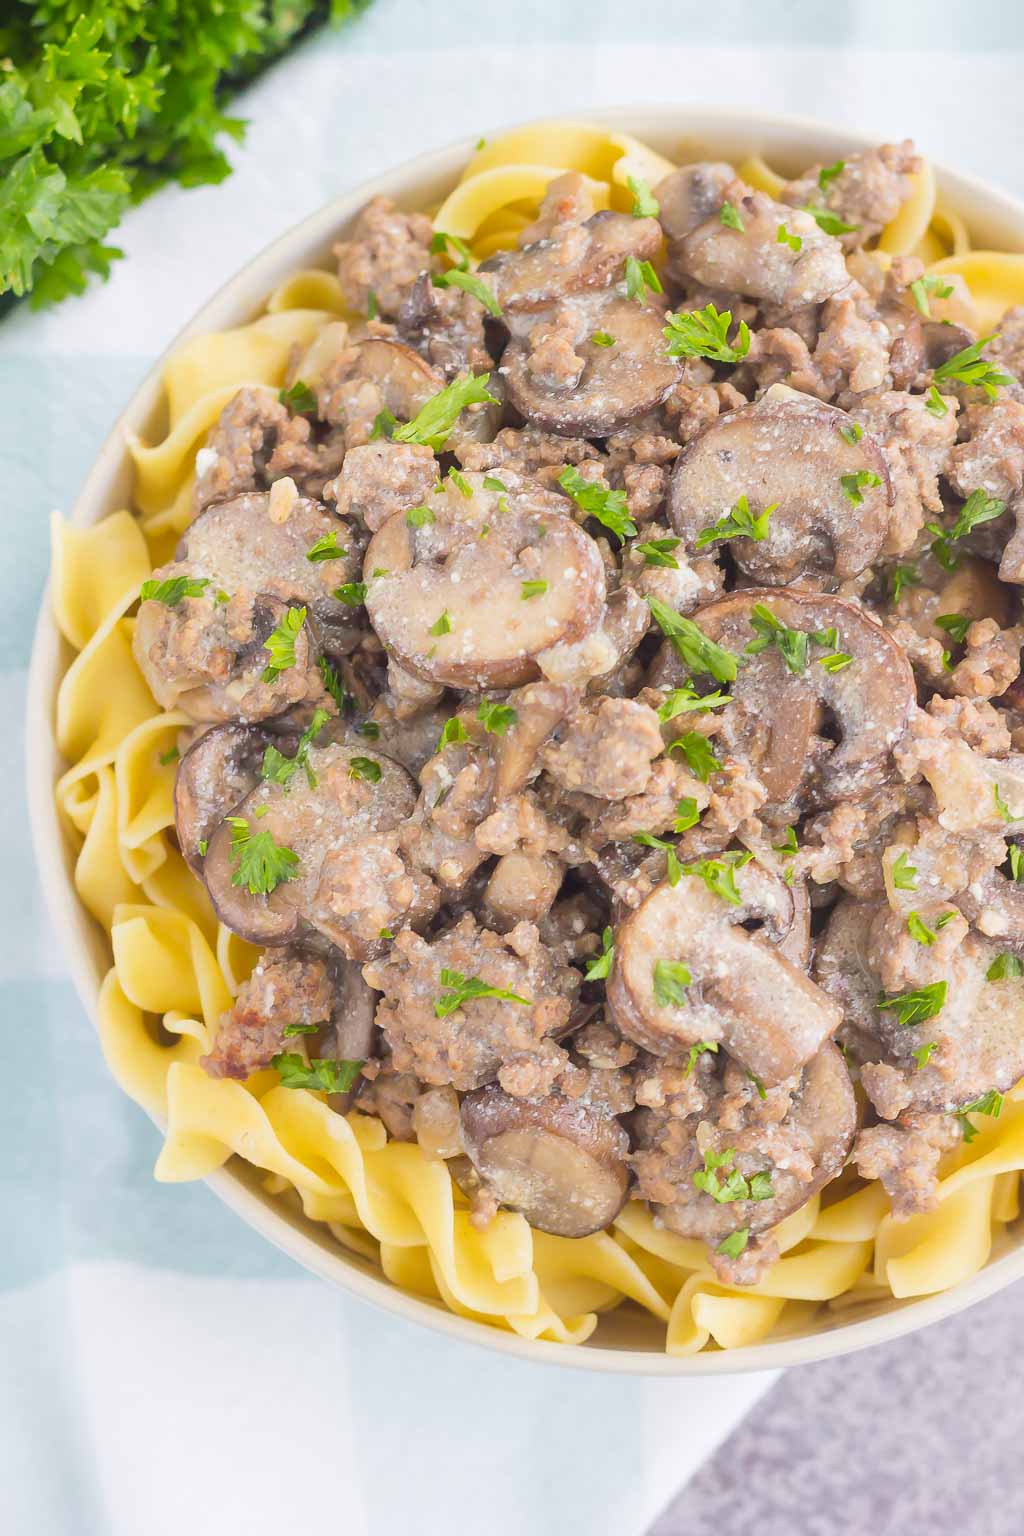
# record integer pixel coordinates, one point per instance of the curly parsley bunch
(103, 101)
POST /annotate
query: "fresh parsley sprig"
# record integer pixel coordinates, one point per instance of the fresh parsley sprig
(972, 368)
(705, 333)
(739, 523)
(699, 653)
(323, 1074)
(433, 423)
(260, 863)
(608, 507)
(281, 645)
(463, 989)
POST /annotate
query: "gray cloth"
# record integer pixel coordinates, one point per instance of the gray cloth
(920, 1435)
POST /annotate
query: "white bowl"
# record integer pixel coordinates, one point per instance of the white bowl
(627, 1340)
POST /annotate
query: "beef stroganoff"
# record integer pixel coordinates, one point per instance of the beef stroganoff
(548, 748)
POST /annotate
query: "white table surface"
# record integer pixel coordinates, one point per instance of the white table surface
(164, 1370)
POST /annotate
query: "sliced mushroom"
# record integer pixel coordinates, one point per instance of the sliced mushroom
(374, 376)
(261, 543)
(312, 820)
(210, 658)
(791, 455)
(690, 195)
(742, 991)
(216, 773)
(559, 1162)
(800, 266)
(819, 1125)
(472, 597)
(522, 888)
(777, 718)
(583, 257)
(540, 707)
(350, 1034)
(608, 386)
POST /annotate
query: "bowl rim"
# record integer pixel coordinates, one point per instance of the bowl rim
(233, 304)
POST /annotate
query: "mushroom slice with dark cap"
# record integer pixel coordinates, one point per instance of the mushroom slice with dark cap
(599, 388)
(825, 480)
(800, 686)
(215, 774)
(691, 194)
(758, 1168)
(557, 1160)
(687, 969)
(774, 252)
(265, 864)
(373, 377)
(471, 598)
(582, 257)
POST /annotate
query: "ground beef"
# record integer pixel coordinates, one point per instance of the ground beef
(380, 478)
(485, 1036)
(567, 201)
(387, 252)
(992, 457)
(446, 326)
(917, 446)
(605, 749)
(284, 989)
(906, 1159)
(853, 347)
(256, 441)
(868, 192)
(526, 449)
(368, 891)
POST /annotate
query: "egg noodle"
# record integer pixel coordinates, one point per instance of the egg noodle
(176, 969)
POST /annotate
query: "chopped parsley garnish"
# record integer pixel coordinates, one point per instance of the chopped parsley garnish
(472, 284)
(793, 644)
(1004, 966)
(916, 1006)
(1016, 863)
(1001, 805)
(372, 307)
(694, 647)
(935, 403)
(705, 333)
(453, 732)
(919, 930)
(609, 507)
(903, 873)
(370, 729)
(280, 769)
(351, 593)
(384, 425)
(496, 718)
(783, 237)
(641, 279)
(828, 173)
(922, 286)
(970, 367)
(923, 1054)
(460, 483)
(332, 682)
(989, 1104)
(418, 517)
(730, 216)
(281, 645)
(462, 989)
(602, 339)
(719, 875)
(530, 589)
(645, 204)
(687, 814)
(673, 871)
(443, 244)
(322, 1073)
(698, 1049)
(442, 625)
(492, 483)
(202, 845)
(172, 589)
(364, 768)
(700, 759)
(902, 576)
(762, 1092)
(854, 484)
(735, 1186)
(685, 700)
(852, 434)
(956, 626)
(670, 980)
(600, 968)
(789, 845)
(977, 509)
(735, 1244)
(298, 397)
(432, 425)
(260, 864)
(835, 662)
(828, 222)
(326, 548)
(170, 756)
(659, 552)
(290, 1030)
(739, 523)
